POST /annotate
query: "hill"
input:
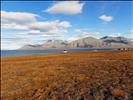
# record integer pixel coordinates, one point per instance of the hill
(88, 42)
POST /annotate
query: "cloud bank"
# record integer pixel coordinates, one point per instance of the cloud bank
(26, 25)
(28, 21)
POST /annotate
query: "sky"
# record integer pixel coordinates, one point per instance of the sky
(34, 22)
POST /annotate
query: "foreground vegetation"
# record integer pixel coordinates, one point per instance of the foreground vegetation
(106, 75)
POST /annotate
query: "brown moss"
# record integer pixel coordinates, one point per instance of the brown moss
(71, 76)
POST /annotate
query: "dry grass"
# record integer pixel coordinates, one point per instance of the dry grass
(106, 75)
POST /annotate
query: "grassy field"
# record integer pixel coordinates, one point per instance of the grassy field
(106, 75)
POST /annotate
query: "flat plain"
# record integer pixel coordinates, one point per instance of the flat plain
(101, 75)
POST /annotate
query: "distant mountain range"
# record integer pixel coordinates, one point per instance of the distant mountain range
(88, 42)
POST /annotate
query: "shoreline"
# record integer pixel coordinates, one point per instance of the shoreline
(55, 54)
(59, 53)
(86, 50)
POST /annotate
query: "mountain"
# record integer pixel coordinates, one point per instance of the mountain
(50, 44)
(54, 44)
(109, 39)
(116, 42)
(85, 42)
(104, 42)
(31, 47)
(88, 42)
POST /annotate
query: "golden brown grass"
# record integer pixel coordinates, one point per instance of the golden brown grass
(106, 75)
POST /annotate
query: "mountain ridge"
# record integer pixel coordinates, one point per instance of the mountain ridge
(87, 42)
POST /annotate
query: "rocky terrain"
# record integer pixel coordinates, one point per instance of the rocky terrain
(88, 42)
(106, 75)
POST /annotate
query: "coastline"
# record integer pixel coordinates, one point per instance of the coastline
(15, 53)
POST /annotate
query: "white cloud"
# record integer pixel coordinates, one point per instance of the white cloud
(84, 33)
(18, 17)
(116, 34)
(70, 39)
(106, 18)
(13, 44)
(129, 35)
(66, 7)
(51, 27)
(13, 26)
(81, 33)
(65, 24)
(77, 30)
(29, 28)
(126, 35)
(34, 32)
(6, 46)
(91, 33)
(28, 21)
(17, 20)
(130, 31)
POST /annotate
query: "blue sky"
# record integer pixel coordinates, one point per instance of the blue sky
(33, 22)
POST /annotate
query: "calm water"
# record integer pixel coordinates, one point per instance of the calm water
(34, 52)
